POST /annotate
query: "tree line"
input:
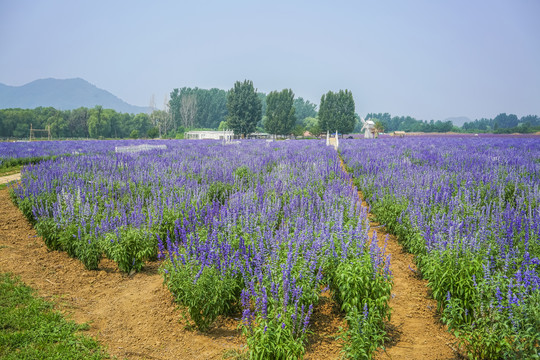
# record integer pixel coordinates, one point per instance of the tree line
(410, 124)
(504, 123)
(78, 123)
(242, 109)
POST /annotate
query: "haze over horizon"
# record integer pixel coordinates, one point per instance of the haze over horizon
(429, 60)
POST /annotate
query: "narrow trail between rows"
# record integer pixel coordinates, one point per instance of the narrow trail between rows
(415, 330)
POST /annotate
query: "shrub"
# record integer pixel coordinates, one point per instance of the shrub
(203, 290)
(130, 248)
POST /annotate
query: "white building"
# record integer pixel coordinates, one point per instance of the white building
(225, 135)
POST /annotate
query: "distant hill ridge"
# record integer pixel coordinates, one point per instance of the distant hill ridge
(62, 94)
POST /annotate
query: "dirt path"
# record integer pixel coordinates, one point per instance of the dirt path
(8, 178)
(415, 330)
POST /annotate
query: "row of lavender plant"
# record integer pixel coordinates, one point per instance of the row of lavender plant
(259, 228)
(470, 210)
(25, 152)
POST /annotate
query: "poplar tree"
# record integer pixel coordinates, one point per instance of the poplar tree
(244, 108)
(336, 112)
(280, 112)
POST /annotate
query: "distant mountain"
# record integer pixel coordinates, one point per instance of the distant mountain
(62, 95)
(458, 120)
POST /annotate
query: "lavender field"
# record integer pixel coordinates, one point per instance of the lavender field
(469, 208)
(24, 152)
(263, 229)
(260, 229)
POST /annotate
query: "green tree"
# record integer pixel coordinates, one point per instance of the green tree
(16, 122)
(385, 119)
(280, 112)
(262, 97)
(188, 111)
(532, 120)
(125, 120)
(94, 128)
(326, 119)
(43, 116)
(401, 123)
(298, 130)
(78, 122)
(304, 109)
(210, 107)
(336, 112)
(153, 133)
(115, 121)
(59, 124)
(379, 126)
(174, 106)
(443, 126)
(141, 123)
(98, 123)
(505, 121)
(312, 125)
(244, 107)
(223, 126)
(21, 130)
(161, 120)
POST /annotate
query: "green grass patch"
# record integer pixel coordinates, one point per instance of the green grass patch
(9, 164)
(5, 171)
(31, 329)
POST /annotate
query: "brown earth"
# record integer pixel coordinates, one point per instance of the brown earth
(8, 178)
(135, 316)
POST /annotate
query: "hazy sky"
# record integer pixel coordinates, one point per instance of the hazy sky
(429, 59)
